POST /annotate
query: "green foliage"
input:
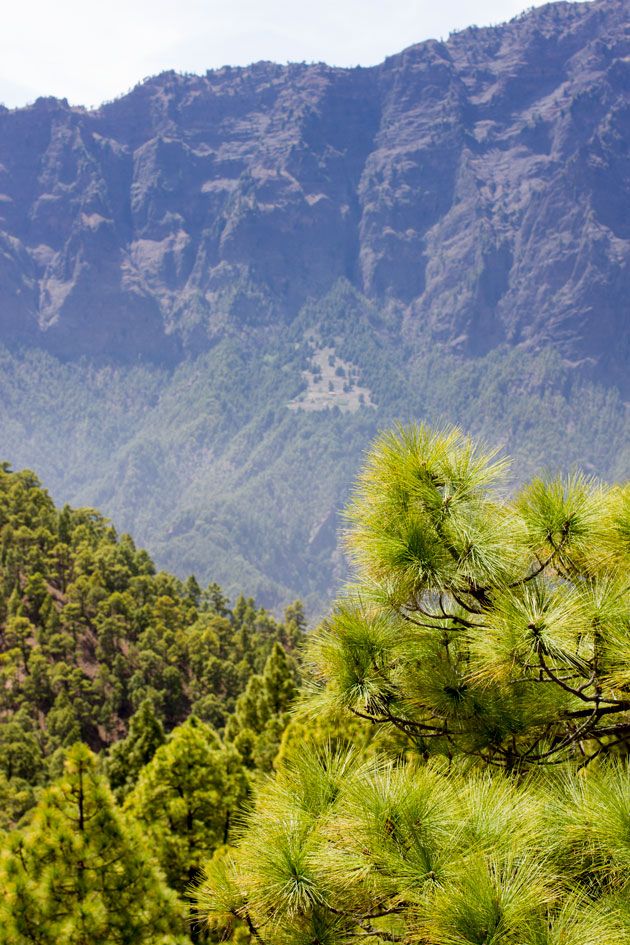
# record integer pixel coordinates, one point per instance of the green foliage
(208, 467)
(262, 711)
(22, 766)
(96, 646)
(393, 852)
(128, 757)
(187, 799)
(486, 640)
(496, 628)
(79, 871)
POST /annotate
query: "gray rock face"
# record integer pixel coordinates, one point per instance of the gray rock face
(478, 190)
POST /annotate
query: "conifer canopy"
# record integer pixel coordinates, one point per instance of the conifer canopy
(485, 642)
(80, 872)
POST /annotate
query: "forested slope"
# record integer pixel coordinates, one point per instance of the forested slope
(222, 470)
(141, 714)
(97, 646)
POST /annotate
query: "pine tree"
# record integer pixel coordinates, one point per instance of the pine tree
(295, 624)
(187, 798)
(498, 629)
(22, 767)
(279, 681)
(262, 711)
(491, 639)
(64, 725)
(128, 756)
(81, 873)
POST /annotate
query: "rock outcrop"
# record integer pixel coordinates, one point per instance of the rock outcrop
(478, 190)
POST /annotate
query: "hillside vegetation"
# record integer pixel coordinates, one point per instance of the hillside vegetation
(97, 646)
(234, 466)
(466, 697)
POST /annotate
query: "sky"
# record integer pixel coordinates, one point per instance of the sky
(90, 52)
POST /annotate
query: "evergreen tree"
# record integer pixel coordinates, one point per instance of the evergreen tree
(187, 798)
(22, 767)
(128, 757)
(21, 754)
(279, 680)
(485, 639)
(494, 628)
(295, 624)
(64, 724)
(81, 873)
(262, 711)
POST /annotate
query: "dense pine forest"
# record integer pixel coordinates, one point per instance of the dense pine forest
(443, 761)
(136, 713)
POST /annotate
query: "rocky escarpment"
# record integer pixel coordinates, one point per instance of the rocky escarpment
(478, 190)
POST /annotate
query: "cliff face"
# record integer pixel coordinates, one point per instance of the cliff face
(299, 256)
(477, 190)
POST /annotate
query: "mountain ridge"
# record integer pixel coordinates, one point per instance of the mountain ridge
(460, 185)
(215, 290)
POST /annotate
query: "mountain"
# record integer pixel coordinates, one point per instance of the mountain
(215, 289)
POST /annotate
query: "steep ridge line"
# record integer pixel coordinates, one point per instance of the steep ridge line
(477, 190)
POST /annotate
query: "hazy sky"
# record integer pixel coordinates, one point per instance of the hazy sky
(88, 52)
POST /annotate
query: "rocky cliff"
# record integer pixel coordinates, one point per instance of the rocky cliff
(476, 190)
(238, 278)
